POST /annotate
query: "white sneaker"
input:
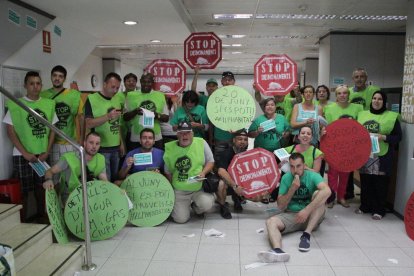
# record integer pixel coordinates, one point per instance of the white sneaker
(272, 256)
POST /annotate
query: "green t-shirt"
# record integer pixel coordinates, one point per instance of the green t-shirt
(270, 140)
(202, 100)
(68, 105)
(199, 115)
(334, 112)
(363, 97)
(302, 197)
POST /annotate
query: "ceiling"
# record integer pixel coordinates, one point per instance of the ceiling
(172, 21)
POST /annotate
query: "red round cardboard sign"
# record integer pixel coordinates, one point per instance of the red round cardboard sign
(409, 217)
(202, 50)
(275, 74)
(169, 75)
(256, 171)
(346, 145)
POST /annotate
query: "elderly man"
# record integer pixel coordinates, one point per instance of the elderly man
(303, 194)
(187, 162)
(361, 93)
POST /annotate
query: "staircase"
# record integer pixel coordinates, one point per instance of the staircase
(33, 249)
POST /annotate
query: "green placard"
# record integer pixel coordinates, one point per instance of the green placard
(231, 108)
(152, 196)
(54, 211)
(108, 210)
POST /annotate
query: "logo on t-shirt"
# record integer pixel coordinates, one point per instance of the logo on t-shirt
(280, 110)
(149, 105)
(63, 113)
(358, 100)
(114, 123)
(183, 165)
(372, 126)
(346, 116)
(38, 129)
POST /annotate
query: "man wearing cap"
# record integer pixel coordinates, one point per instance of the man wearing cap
(187, 162)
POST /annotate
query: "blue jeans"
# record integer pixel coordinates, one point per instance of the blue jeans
(111, 163)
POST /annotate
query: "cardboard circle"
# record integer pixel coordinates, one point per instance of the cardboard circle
(152, 196)
(256, 171)
(346, 145)
(108, 210)
(409, 217)
(231, 108)
(55, 214)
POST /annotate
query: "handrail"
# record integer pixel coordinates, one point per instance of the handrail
(88, 265)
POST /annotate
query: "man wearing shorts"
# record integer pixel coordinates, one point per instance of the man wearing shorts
(302, 193)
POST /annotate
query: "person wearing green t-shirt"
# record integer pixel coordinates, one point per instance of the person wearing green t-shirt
(211, 86)
(69, 109)
(322, 96)
(187, 162)
(361, 93)
(70, 165)
(148, 99)
(302, 196)
(338, 181)
(192, 113)
(32, 141)
(102, 115)
(278, 132)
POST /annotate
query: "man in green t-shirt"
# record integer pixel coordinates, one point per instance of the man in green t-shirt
(302, 193)
(69, 109)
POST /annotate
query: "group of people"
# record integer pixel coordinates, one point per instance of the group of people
(185, 146)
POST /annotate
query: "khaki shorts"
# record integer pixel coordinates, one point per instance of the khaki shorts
(289, 220)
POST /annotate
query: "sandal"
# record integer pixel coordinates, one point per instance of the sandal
(376, 217)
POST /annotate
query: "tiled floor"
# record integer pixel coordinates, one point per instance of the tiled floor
(345, 244)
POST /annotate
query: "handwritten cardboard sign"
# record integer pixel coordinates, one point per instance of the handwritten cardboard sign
(346, 145)
(409, 217)
(108, 210)
(152, 196)
(255, 170)
(231, 108)
(54, 211)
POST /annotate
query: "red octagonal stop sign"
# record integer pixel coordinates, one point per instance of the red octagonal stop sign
(202, 50)
(275, 74)
(255, 170)
(169, 75)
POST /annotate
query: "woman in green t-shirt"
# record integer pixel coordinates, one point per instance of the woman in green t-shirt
(270, 130)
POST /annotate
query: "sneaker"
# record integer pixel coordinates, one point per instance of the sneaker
(304, 244)
(238, 208)
(358, 211)
(376, 217)
(225, 212)
(272, 256)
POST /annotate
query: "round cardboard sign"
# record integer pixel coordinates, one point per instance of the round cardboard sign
(108, 210)
(231, 108)
(346, 145)
(152, 196)
(55, 214)
(256, 171)
(409, 217)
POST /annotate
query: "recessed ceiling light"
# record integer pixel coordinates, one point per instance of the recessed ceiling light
(155, 40)
(233, 16)
(130, 23)
(236, 53)
(232, 36)
(236, 45)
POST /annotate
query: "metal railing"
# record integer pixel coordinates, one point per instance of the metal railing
(88, 265)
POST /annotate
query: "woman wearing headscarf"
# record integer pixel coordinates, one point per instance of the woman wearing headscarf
(270, 139)
(375, 174)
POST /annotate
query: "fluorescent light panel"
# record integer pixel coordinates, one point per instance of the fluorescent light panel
(312, 17)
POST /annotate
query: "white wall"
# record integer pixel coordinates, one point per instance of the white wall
(311, 71)
(324, 61)
(91, 66)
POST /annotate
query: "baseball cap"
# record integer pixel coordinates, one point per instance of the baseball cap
(227, 74)
(240, 132)
(212, 80)
(184, 126)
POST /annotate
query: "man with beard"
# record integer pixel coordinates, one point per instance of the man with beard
(70, 165)
(147, 141)
(69, 108)
(102, 115)
(148, 99)
(187, 162)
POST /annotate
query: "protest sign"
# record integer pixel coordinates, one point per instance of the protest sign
(108, 210)
(346, 145)
(409, 217)
(54, 211)
(231, 108)
(152, 196)
(202, 50)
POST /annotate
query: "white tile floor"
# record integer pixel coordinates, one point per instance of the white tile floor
(345, 244)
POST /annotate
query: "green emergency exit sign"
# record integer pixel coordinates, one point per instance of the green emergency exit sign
(14, 17)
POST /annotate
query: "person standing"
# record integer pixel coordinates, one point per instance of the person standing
(31, 139)
(69, 109)
(375, 174)
(102, 115)
(361, 93)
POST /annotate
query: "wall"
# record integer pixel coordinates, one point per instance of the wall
(91, 66)
(324, 61)
(311, 71)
